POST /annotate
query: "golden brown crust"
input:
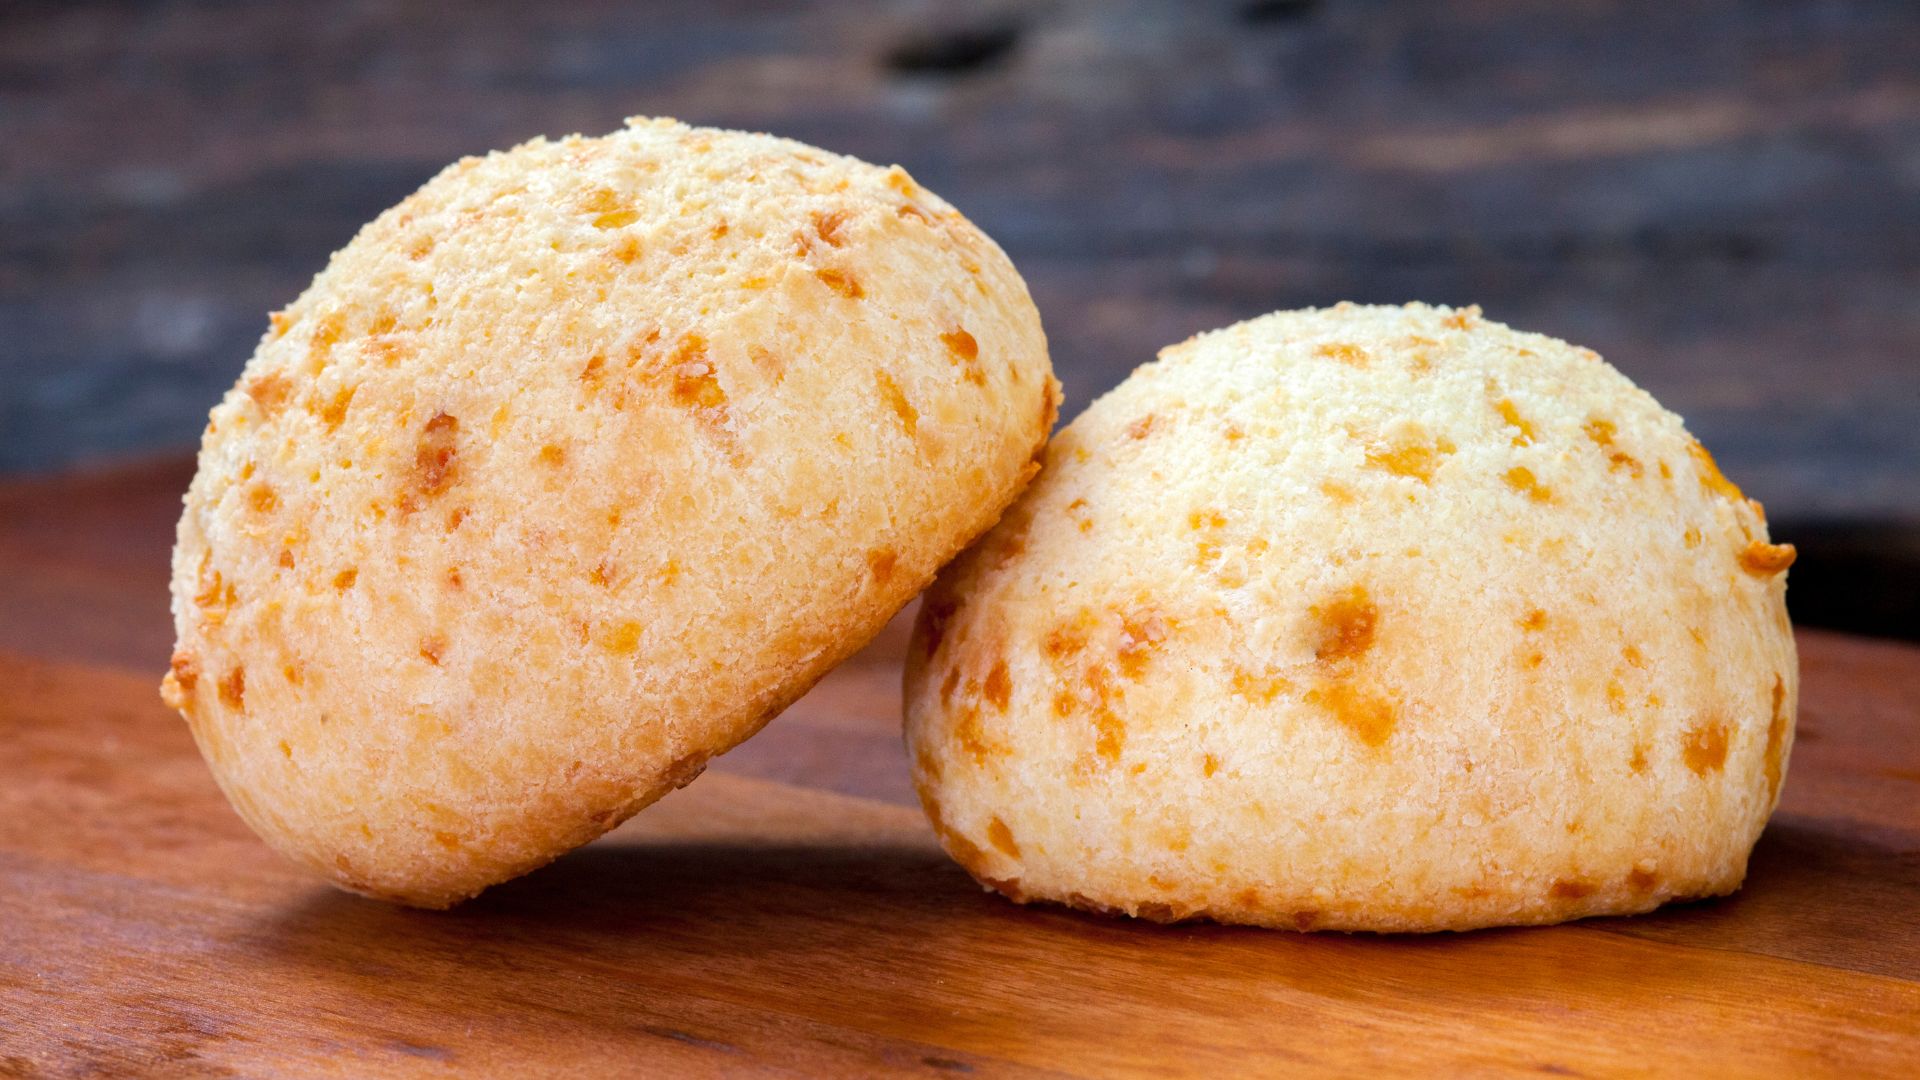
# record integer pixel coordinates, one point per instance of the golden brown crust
(570, 472)
(1361, 619)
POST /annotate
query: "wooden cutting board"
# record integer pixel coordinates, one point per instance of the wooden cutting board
(746, 925)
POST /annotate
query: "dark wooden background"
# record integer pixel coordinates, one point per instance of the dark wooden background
(1721, 197)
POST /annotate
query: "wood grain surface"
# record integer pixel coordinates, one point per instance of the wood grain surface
(790, 912)
(1720, 195)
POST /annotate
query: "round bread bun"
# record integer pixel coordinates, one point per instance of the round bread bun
(1368, 618)
(570, 472)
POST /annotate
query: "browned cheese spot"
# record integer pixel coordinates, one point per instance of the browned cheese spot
(1342, 351)
(967, 731)
(344, 580)
(620, 638)
(1260, 688)
(1305, 919)
(1340, 493)
(827, 226)
(1638, 762)
(626, 249)
(335, 410)
(768, 361)
(695, 386)
(325, 336)
(1521, 479)
(269, 391)
(1347, 626)
(262, 499)
(841, 282)
(1370, 717)
(999, 686)
(185, 670)
(1602, 433)
(1692, 537)
(1711, 477)
(1064, 704)
(1776, 737)
(1633, 656)
(432, 648)
(1141, 632)
(1139, 428)
(961, 344)
(435, 463)
(896, 400)
(291, 672)
(1523, 430)
(1705, 747)
(602, 574)
(1076, 510)
(1413, 455)
(1002, 837)
(233, 689)
(286, 558)
(1763, 560)
(1065, 640)
(1616, 696)
(553, 455)
(880, 564)
(614, 219)
(1208, 549)
(1464, 319)
(1209, 765)
(965, 351)
(1571, 889)
(1535, 620)
(594, 371)
(279, 322)
(1111, 731)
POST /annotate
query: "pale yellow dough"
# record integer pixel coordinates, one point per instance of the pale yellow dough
(1367, 618)
(571, 471)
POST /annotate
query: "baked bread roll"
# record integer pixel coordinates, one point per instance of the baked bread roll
(570, 472)
(1367, 618)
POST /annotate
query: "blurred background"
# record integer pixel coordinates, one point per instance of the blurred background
(1721, 197)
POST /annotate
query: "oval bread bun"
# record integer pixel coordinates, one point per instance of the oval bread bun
(570, 472)
(1368, 618)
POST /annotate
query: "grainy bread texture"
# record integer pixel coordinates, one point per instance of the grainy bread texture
(571, 471)
(1367, 618)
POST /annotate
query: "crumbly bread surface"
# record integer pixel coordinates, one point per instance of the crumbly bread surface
(1365, 618)
(568, 473)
